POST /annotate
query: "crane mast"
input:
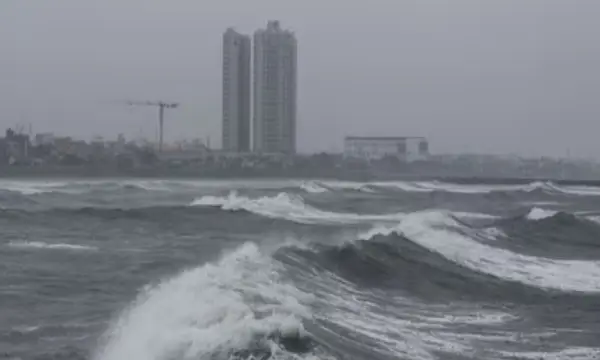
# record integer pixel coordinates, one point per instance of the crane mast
(161, 115)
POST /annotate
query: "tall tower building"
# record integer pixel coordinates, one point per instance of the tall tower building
(236, 91)
(274, 123)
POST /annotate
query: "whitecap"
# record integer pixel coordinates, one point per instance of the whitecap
(536, 214)
(208, 311)
(44, 245)
(289, 207)
(312, 187)
(434, 231)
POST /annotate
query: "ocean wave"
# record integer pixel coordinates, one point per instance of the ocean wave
(313, 187)
(540, 214)
(30, 187)
(81, 187)
(242, 308)
(574, 353)
(235, 308)
(545, 187)
(536, 214)
(44, 245)
(290, 207)
(348, 186)
(551, 234)
(363, 319)
(393, 262)
(432, 256)
(437, 232)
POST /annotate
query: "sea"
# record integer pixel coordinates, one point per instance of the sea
(135, 269)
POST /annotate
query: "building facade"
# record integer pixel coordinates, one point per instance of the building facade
(236, 92)
(406, 149)
(275, 88)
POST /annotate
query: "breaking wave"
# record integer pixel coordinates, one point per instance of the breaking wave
(29, 188)
(247, 306)
(235, 308)
(545, 187)
(440, 233)
(289, 207)
(540, 214)
(44, 245)
(313, 187)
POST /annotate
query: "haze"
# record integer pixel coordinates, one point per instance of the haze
(503, 76)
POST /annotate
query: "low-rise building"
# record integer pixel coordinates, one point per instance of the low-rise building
(406, 149)
(44, 139)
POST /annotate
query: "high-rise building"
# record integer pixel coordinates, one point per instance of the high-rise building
(274, 123)
(236, 91)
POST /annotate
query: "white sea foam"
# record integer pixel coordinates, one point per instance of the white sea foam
(31, 187)
(581, 190)
(43, 245)
(293, 208)
(349, 185)
(208, 311)
(431, 186)
(595, 219)
(537, 213)
(152, 185)
(402, 329)
(574, 353)
(472, 215)
(312, 187)
(289, 207)
(434, 230)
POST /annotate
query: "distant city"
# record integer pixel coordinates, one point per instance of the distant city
(259, 137)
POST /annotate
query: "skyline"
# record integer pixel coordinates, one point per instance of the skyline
(499, 77)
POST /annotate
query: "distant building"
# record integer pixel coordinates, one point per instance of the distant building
(275, 88)
(407, 149)
(44, 139)
(16, 147)
(236, 91)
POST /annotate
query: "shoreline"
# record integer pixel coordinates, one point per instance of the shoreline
(30, 173)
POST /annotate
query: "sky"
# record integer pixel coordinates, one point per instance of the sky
(488, 76)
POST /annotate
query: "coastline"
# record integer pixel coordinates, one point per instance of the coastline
(73, 172)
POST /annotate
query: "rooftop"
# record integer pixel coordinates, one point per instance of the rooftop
(384, 138)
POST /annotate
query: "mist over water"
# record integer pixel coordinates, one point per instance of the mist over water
(167, 269)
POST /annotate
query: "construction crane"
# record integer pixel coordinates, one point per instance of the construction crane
(161, 115)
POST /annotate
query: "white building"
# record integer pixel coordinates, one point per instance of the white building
(274, 127)
(44, 139)
(407, 149)
(236, 92)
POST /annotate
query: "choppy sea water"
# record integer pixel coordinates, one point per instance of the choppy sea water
(178, 270)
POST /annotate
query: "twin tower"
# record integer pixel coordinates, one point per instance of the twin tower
(273, 91)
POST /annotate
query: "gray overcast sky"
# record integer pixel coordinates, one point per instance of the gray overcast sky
(502, 76)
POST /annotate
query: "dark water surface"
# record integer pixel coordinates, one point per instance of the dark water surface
(166, 270)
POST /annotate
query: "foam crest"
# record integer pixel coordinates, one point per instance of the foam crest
(439, 186)
(431, 186)
(43, 245)
(433, 230)
(406, 329)
(536, 214)
(209, 312)
(575, 353)
(581, 190)
(312, 187)
(288, 207)
(349, 185)
(30, 187)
